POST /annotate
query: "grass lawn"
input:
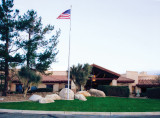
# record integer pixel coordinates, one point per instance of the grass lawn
(93, 104)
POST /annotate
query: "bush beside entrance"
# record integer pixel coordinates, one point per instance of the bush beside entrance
(41, 90)
(153, 93)
(120, 91)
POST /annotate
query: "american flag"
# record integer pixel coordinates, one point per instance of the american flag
(65, 15)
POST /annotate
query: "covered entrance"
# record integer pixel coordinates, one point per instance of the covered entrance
(101, 76)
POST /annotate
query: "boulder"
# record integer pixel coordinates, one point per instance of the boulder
(97, 93)
(1, 98)
(53, 97)
(35, 97)
(76, 96)
(64, 92)
(80, 97)
(46, 100)
(85, 93)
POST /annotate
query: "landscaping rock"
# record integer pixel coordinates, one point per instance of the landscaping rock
(80, 97)
(85, 93)
(53, 97)
(46, 100)
(97, 93)
(1, 98)
(35, 97)
(63, 94)
(76, 96)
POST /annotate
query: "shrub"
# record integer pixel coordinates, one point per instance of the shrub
(41, 90)
(120, 91)
(153, 93)
(143, 94)
(1, 87)
(14, 92)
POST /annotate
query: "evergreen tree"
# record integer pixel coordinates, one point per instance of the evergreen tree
(7, 34)
(39, 52)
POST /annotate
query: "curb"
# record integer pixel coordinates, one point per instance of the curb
(135, 113)
(79, 113)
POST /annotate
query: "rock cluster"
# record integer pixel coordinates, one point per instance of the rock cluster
(63, 95)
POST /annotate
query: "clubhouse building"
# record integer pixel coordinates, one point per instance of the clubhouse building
(137, 82)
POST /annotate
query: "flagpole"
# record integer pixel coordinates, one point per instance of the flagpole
(69, 56)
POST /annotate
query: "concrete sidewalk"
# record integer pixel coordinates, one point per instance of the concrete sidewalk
(78, 113)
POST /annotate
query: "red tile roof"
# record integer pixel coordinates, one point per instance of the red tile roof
(147, 83)
(49, 78)
(54, 78)
(125, 80)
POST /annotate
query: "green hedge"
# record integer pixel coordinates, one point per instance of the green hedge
(1, 87)
(143, 94)
(120, 91)
(41, 90)
(14, 92)
(153, 93)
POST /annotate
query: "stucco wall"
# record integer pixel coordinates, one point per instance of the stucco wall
(114, 82)
(132, 75)
(13, 87)
(62, 85)
(56, 87)
(41, 85)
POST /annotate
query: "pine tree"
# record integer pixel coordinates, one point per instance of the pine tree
(7, 34)
(39, 52)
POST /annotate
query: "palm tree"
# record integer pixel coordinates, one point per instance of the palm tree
(79, 74)
(28, 78)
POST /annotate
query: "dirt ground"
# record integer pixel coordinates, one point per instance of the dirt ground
(19, 97)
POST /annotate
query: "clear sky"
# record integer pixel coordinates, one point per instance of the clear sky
(118, 35)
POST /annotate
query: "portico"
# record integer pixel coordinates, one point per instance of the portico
(101, 76)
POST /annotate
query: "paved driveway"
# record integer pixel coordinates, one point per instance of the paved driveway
(24, 115)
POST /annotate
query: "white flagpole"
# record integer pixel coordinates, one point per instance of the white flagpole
(69, 57)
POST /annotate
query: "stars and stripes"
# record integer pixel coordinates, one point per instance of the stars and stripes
(65, 15)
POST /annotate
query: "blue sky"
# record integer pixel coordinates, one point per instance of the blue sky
(119, 35)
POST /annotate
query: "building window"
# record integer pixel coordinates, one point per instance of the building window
(49, 86)
(33, 88)
(19, 88)
(66, 86)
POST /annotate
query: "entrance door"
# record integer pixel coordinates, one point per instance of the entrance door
(133, 89)
(19, 88)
